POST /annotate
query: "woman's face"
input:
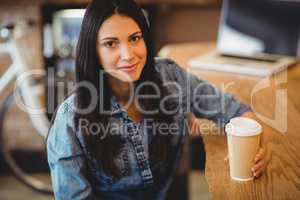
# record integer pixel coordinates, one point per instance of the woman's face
(121, 48)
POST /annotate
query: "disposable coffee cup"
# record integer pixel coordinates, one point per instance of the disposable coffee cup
(243, 138)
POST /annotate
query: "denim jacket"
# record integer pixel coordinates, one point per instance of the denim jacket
(76, 175)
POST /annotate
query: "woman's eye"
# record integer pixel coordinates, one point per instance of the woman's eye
(110, 44)
(136, 38)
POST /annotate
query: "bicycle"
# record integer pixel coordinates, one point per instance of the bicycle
(11, 111)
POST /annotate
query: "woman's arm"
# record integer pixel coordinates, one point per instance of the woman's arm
(202, 98)
(68, 175)
(206, 101)
(66, 161)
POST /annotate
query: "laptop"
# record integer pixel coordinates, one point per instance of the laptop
(258, 37)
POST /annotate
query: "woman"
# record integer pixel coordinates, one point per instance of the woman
(120, 135)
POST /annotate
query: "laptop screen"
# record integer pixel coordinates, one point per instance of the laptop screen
(254, 27)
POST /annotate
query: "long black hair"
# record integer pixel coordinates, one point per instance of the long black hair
(88, 69)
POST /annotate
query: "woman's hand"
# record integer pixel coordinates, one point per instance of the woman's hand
(259, 159)
(259, 163)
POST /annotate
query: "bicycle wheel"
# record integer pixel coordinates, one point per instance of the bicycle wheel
(22, 147)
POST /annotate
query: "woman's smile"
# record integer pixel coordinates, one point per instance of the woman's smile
(128, 68)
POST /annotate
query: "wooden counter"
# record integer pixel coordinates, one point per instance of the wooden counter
(276, 101)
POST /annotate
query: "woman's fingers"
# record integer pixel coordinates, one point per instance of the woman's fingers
(260, 155)
(226, 158)
(258, 167)
(258, 170)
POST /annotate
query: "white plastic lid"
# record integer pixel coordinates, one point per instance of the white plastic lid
(243, 126)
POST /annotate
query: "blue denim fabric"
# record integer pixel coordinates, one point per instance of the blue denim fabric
(76, 175)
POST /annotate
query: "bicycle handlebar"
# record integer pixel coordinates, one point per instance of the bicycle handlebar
(7, 30)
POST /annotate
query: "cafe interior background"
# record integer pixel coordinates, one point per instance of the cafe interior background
(181, 30)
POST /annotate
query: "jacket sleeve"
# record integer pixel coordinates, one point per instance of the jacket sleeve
(66, 160)
(209, 102)
(203, 98)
